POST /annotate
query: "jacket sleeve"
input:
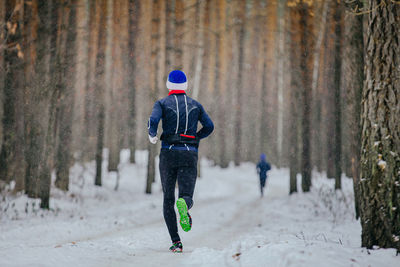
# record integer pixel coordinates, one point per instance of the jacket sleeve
(268, 167)
(206, 122)
(154, 119)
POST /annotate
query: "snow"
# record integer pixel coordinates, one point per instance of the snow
(233, 226)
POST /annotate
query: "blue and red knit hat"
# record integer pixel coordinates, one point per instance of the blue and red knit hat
(177, 80)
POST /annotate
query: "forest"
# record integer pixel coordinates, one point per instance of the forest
(313, 84)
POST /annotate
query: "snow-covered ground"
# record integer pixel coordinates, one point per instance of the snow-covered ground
(232, 225)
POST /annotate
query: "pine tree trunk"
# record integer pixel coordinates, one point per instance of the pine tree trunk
(89, 149)
(2, 67)
(280, 76)
(66, 101)
(337, 85)
(12, 160)
(99, 87)
(44, 181)
(316, 96)
(241, 21)
(179, 32)
(380, 119)
(155, 49)
(134, 11)
(199, 50)
(306, 59)
(263, 121)
(354, 76)
(295, 89)
(112, 70)
(219, 80)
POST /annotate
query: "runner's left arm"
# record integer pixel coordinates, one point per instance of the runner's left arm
(154, 119)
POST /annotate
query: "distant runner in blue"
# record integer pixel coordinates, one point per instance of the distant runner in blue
(180, 115)
(262, 168)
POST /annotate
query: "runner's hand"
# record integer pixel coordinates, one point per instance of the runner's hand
(153, 140)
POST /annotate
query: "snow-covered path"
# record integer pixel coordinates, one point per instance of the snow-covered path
(232, 226)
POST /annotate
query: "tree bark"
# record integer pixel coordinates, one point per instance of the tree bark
(44, 182)
(240, 13)
(306, 59)
(295, 89)
(155, 36)
(337, 84)
(113, 88)
(354, 76)
(66, 101)
(37, 102)
(134, 11)
(199, 50)
(179, 32)
(12, 160)
(99, 87)
(380, 119)
(2, 67)
(316, 95)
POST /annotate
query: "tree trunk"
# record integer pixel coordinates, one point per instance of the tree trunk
(92, 10)
(316, 95)
(99, 87)
(12, 160)
(179, 32)
(280, 76)
(155, 49)
(37, 103)
(354, 76)
(240, 14)
(44, 183)
(199, 50)
(134, 11)
(66, 101)
(295, 89)
(2, 67)
(337, 84)
(380, 160)
(219, 69)
(113, 69)
(306, 60)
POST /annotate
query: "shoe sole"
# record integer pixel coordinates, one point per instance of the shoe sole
(183, 213)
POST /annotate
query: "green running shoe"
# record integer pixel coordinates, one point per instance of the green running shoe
(185, 220)
(176, 247)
